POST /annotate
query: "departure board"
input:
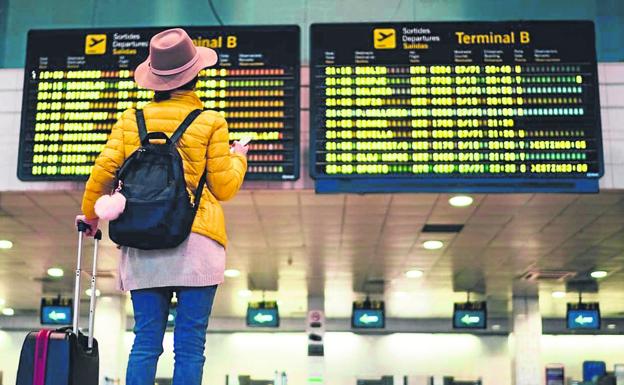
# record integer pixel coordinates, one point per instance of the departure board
(78, 82)
(445, 106)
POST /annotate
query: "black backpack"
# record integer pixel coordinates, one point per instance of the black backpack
(159, 212)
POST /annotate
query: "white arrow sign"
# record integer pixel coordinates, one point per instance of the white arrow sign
(468, 319)
(369, 319)
(57, 316)
(263, 318)
(583, 320)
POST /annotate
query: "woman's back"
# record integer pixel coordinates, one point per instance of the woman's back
(204, 146)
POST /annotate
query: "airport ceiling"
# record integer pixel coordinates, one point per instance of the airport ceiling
(342, 246)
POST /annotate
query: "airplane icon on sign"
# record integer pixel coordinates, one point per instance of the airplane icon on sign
(95, 41)
(95, 44)
(384, 38)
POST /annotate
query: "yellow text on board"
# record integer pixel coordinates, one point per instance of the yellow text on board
(384, 38)
(95, 44)
(493, 38)
(231, 41)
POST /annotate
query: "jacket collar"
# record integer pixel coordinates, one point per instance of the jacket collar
(186, 97)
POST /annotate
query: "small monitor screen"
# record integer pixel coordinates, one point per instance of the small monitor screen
(367, 318)
(56, 315)
(583, 316)
(469, 319)
(470, 315)
(263, 314)
(593, 370)
(555, 376)
(368, 315)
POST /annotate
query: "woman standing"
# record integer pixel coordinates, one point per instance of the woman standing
(195, 268)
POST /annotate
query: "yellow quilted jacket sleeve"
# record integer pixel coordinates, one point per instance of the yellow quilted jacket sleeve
(225, 171)
(106, 165)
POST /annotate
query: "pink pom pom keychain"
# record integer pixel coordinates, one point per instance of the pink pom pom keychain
(110, 207)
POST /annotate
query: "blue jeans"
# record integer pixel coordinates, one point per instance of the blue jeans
(151, 309)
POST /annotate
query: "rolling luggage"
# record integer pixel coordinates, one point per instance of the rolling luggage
(64, 356)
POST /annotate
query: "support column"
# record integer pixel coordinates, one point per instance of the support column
(527, 333)
(316, 355)
(110, 327)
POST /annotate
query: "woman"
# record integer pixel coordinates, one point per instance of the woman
(195, 268)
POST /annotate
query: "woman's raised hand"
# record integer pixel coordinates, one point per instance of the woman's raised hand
(239, 148)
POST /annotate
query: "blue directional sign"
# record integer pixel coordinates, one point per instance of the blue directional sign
(368, 314)
(469, 319)
(368, 318)
(56, 315)
(583, 319)
(470, 315)
(263, 314)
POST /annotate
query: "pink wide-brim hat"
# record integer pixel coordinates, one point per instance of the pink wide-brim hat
(173, 61)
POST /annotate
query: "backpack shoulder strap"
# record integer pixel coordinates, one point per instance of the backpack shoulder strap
(199, 190)
(184, 125)
(176, 137)
(141, 125)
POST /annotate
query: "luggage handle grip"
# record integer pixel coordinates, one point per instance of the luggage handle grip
(83, 227)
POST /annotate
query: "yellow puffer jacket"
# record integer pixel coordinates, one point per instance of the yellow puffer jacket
(204, 146)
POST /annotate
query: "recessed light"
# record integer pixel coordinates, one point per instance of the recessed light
(461, 201)
(496, 327)
(414, 273)
(97, 292)
(245, 293)
(5, 244)
(433, 245)
(611, 326)
(55, 272)
(232, 273)
(8, 311)
(558, 294)
(599, 274)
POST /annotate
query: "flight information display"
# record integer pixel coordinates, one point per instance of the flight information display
(466, 106)
(78, 82)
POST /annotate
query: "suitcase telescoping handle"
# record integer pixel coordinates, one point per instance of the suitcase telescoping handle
(82, 228)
